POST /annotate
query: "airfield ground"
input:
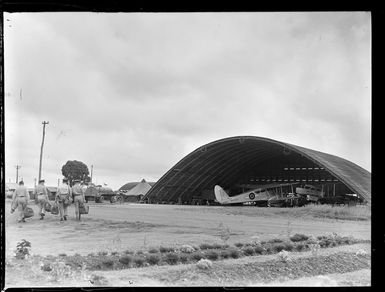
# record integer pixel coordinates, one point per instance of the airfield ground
(118, 228)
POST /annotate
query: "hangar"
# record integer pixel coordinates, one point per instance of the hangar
(240, 161)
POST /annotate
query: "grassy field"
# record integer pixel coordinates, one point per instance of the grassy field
(353, 213)
(115, 240)
(268, 269)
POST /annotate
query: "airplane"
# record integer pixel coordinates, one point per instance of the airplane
(258, 196)
(312, 193)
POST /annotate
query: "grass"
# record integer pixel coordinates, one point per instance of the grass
(139, 261)
(257, 272)
(234, 253)
(239, 244)
(171, 256)
(268, 271)
(248, 251)
(153, 259)
(299, 237)
(166, 249)
(183, 258)
(126, 260)
(204, 246)
(354, 213)
(259, 249)
(225, 254)
(212, 255)
(196, 256)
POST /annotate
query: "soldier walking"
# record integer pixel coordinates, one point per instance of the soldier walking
(21, 198)
(63, 198)
(41, 197)
(78, 196)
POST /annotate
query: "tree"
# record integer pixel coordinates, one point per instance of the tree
(75, 170)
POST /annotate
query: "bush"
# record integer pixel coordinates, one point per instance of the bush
(238, 244)
(234, 253)
(46, 267)
(283, 256)
(288, 246)
(98, 280)
(205, 246)
(259, 249)
(126, 260)
(225, 254)
(172, 258)
(153, 259)
(204, 264)
(301, 247)
(102, 253)
(248, 251)
(128, 252)
(139, 261)
(153, 250)
(74, 261)
(187, 248)
(60, 271)
(275, 240)
(108, 263)
(196, 256)
(114, 253)
(220, 246)
(22, 249)
(183, 258)
(277, 247)
(212, 255)
(139, 252)
(299, 237)
(166, 249)
(62, 255)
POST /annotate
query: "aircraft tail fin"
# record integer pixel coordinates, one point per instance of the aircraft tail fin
(220, 194)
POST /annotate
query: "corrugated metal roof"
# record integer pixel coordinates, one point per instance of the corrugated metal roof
(224, 161)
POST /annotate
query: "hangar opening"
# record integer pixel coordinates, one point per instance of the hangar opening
(245, 162)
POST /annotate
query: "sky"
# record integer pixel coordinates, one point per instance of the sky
(133, 93)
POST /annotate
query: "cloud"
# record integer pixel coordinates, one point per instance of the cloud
(133, 93)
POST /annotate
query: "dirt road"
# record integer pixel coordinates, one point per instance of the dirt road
(136, 226)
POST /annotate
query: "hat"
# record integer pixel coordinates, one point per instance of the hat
(42, 180)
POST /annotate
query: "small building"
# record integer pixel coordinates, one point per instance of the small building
(137, 192)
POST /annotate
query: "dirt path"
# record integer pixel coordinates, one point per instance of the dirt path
(136, 226)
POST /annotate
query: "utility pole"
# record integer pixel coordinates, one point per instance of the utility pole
(41, 149)
(92, 168)
(17, 172)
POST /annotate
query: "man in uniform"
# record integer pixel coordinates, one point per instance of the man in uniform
(63, 198)
(78, 196)
(41, 197)
(21, 198)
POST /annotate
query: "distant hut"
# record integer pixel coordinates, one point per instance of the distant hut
(137, 192)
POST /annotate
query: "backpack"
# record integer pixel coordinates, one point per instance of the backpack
(28, 212)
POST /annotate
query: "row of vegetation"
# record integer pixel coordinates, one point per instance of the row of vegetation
(192, 254)
(352, 213)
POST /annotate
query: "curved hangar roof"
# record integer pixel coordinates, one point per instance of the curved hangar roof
(246, 159)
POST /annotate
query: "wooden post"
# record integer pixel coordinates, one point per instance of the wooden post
(41, 149)
(17, 173)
